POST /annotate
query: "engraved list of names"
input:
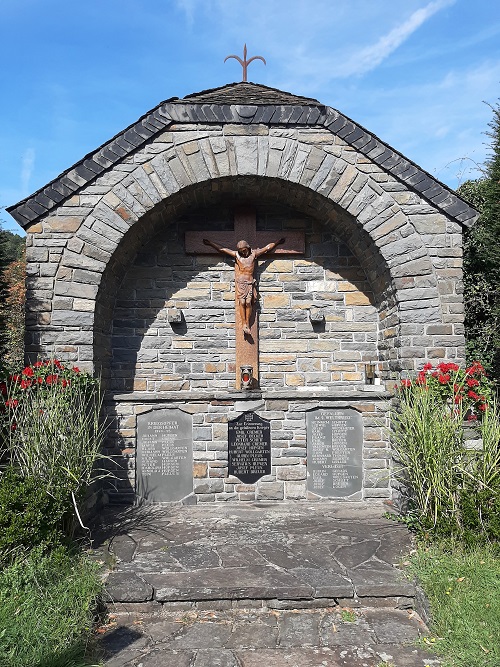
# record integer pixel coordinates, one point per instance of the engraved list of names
(334, 452)
(164, 455)
(249, 447)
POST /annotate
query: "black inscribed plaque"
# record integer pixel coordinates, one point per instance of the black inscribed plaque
(334, 452)
(164, 466)
(249, 447)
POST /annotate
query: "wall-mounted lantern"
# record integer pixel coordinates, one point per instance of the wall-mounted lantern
(370, 373)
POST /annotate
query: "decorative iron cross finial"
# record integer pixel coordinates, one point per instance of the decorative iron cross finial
(245, 63)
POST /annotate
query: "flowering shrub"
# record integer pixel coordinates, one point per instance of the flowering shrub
(40, 376)
(50, 427)
(467, 390)
(448, 488)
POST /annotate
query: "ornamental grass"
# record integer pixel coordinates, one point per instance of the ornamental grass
(51, 430)
(450, 482)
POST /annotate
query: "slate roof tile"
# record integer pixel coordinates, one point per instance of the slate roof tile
(243, 103)
(247, 92)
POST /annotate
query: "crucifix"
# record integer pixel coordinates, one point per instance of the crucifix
(245, 244)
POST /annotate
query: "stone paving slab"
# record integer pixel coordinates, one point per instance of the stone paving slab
(260, 551)
(251, 638)
(285, 585)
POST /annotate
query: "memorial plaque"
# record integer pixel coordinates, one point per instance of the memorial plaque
(334, 452)
(249, 447)
(164, 455)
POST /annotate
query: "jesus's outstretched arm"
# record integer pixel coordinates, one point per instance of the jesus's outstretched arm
(225, 251)
(268, 248)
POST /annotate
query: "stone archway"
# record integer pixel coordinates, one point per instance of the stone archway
(166, 182)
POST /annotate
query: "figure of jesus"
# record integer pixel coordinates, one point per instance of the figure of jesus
(244, 281)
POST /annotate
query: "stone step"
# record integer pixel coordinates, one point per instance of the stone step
(376, 584)
(331, 637)
(287, 586)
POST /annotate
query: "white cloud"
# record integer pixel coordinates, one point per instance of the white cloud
(371, 56)
(27, 166)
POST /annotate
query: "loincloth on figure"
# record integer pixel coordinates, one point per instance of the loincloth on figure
(245, 290)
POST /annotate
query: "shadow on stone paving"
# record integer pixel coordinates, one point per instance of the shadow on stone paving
(207, 586)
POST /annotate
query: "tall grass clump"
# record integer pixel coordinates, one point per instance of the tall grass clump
(450, 488)
(51, 435)
(50, 446)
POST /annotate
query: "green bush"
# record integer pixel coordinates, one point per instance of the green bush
(51, 429)
(451, 490)
(47, 605)
(29, 516)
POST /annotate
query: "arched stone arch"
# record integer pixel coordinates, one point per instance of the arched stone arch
(330, 181)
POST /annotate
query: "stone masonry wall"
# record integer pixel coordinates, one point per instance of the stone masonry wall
(390, 228)
(287, 480)
(151, 354)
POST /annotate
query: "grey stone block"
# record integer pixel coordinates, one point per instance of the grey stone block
(208, 486)
(127, 587)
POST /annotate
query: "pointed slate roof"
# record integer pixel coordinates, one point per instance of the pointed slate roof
(248, 93)
(242, 103)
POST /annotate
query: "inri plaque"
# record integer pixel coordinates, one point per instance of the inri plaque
(249, 447)
(164, 455)
(334, 452)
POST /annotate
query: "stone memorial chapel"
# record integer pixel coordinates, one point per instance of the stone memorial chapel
(361, 286)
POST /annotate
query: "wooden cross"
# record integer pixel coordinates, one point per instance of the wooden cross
(245, 228)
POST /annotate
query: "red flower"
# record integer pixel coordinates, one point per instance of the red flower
(12, 403)
(475, 369)
(421, 378)
(427, 367)
(39, 380)
(472, 382)
(472, 394)
(3, 388)
(25, 384)
(57, 363)
(65, 383)
(15, 378)
(13, 426)
(51, 379)
(28, 371)
(446, 368)
(483, 407)
(458, 398)
(444, 379)
(472, 418)
(75, 369)
(406, 383)
(37, 364)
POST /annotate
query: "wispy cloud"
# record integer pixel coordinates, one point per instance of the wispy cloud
(188, 7)
(27, 166)
(372, 56)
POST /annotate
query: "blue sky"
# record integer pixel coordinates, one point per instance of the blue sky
(414, 72)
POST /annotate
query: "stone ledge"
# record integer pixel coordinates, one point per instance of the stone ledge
(349, 393)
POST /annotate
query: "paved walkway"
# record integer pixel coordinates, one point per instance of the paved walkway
(286, 585)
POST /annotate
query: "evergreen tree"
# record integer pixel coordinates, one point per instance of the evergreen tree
(482, 260)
